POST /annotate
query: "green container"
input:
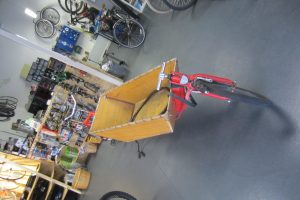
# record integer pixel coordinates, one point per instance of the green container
(68, 157)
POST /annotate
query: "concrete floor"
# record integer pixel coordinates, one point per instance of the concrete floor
(218, 151)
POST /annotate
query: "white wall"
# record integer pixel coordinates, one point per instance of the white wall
(13, 56)
(13, 18)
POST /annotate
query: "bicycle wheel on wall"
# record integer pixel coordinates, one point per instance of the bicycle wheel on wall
(129, 33)
(44, 28)
(50, 14)
(74, 6)
(179, 4)
(158, 6)
(117, 195)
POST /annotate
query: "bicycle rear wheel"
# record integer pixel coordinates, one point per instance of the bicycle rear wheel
(180, 4)
(129, 33)
(71, 6)
(239, 94)
(117, 195)
(158, 6)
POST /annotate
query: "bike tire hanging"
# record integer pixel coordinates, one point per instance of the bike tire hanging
(67, 6)
(180, 4)
(7, 107)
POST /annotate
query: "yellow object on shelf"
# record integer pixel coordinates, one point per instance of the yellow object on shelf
(25, 70)
(81, 179)
(92, 139)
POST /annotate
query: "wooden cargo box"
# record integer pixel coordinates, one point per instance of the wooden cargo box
(117, 106)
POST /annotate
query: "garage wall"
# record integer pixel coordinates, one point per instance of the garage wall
(13, 56)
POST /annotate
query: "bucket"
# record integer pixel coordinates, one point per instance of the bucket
(81, 179)
(71, 152)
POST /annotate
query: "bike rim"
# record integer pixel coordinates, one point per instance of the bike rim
(50, 14)
(180, 4)
(129, 33)
(74, 6)
(44, 28)
(158, 6)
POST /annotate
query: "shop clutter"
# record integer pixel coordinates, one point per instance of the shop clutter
(63, 101)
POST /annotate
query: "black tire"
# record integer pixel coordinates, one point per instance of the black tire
(63, 6)
(180, 4)
(44, 28)
(117, 194)
(67, 8)
(158, 6)
(129, 39)
(238, 94)
(50, 14)
(78, 8)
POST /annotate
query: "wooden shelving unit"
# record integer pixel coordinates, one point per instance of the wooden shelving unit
(45, 170)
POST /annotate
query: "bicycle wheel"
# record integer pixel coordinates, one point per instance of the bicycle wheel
(44, 28)
(129, 33)
(180, 4)
(50, 14)
(74, 6)
(238, 94)
(122, 6)
(158, 6)
(117, 195)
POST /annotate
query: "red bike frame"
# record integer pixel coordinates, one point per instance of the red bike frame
(186, 88)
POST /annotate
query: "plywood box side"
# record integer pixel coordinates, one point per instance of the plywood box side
(137, 131)
(110, 113)
(140, 87)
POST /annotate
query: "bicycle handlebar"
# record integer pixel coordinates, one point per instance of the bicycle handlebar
(161, 76)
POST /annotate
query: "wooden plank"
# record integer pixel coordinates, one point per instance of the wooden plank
(64, 194)
(32, 188)
(38, 174)
(49, 191)
(110, 113)
(138, 130)
(140, 87)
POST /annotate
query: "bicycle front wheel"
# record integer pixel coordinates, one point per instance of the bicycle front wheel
(129, 33)
(180, 4)
(158, 6)
(239, 94)
(117, 195)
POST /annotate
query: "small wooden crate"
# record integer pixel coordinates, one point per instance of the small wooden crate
(116, 107)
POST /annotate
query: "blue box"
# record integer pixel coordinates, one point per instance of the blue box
(66, 40)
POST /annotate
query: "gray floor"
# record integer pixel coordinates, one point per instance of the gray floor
(218, 151)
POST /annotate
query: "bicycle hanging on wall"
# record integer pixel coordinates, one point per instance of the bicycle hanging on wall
(113, 24)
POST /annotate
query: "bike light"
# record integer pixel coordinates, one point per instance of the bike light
(30, 13)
